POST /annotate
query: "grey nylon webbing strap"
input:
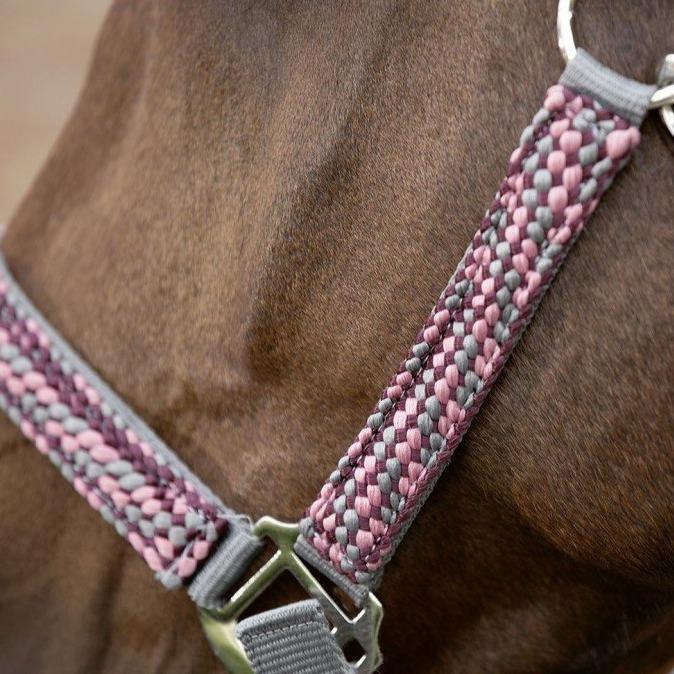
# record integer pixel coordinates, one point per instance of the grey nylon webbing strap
(626, 97)
(293, 639)
(223, 568)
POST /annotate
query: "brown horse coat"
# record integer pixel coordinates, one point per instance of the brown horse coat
(241, 228)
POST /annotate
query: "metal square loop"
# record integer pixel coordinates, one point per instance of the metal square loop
(220, 625)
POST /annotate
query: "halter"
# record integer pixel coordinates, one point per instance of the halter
(567, 158)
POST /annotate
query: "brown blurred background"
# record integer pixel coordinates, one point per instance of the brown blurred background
(45, 48)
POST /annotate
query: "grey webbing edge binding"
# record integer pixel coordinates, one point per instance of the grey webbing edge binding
(293, 639)
(628, 98)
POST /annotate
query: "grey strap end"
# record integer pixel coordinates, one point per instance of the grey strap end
(625, 97)
(293, 639)
(225, 567)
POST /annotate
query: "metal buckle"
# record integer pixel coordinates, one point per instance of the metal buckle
(220, 624)
(664, 96)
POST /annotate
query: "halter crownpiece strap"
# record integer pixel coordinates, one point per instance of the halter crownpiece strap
(566, 160)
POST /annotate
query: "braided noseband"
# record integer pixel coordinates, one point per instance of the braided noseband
(566, 160)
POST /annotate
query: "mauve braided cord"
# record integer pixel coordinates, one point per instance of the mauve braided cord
(137, 486)
(566, 160)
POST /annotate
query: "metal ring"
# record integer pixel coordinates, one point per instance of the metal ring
(666, 76)
(664, 96)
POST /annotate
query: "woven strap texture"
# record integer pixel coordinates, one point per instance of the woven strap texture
(566, 160)
(293, 639)
(110, 456)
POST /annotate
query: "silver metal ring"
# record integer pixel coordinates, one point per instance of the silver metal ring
(664, 96)
(666, 76)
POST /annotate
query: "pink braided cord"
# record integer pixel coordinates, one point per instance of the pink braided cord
(566, 160)
(132, 484)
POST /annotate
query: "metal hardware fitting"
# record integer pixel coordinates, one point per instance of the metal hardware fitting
(220, 624)
(666, 76)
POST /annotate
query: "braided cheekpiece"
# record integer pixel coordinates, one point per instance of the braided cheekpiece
(134, 487)
(566, 160)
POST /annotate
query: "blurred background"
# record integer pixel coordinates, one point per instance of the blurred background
(45, 48)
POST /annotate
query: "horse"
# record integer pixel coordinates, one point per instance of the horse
(242, 226)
